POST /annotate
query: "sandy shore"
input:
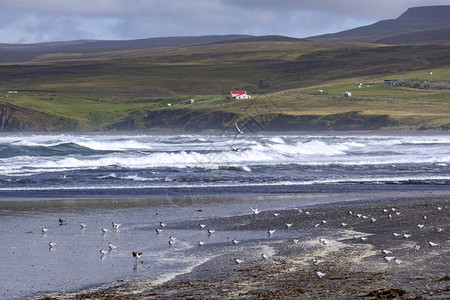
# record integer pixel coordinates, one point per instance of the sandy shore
(349, 254)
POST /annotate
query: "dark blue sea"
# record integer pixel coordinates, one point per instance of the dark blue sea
(48, 166)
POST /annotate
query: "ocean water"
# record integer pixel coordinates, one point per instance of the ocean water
(142, 180)
(146, 165)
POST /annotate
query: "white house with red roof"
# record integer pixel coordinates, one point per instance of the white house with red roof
(239, 95)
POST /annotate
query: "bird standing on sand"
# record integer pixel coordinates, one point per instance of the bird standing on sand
(51, 244)
(319, 274)
(103, 252)
(62, 222)
(238, 261)
(83, 225)
(271, 231)
(136, 254)
(111, 246)
(115, 225)
(44, 230)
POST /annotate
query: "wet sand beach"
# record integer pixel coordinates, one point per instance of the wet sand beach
(344, 241)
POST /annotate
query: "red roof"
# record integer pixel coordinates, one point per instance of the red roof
(238, 92)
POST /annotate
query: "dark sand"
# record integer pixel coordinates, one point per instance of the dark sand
(355, 268)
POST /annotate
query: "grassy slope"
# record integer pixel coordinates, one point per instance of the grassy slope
(100, 89)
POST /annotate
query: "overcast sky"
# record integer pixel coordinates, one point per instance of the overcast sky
(29, 21)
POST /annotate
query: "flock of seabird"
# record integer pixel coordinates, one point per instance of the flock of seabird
(387, 254)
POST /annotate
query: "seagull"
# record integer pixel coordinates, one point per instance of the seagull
(363, 238)
(385, 210)
(276, 214)
(373, 220)
(83, 226)
(62, 222)
(238, 261)
(235, 241)
(386, 251)
(396, 234)
(359, 215)
(52, 244)
(389, 258)
(350, 212)
(200, 243)
(104, 230)
(162, 224)
(398, 261)
(439, 229)
(364, 217)
(103, 252)
(393, 209)
(424, 217)
(264, 256)
(307, 212)
(397, 213)
(344, 224)
(295, 241)
(317, 261)
(288, 225)
(271, 231)
(171, 242)
(420, 225)
(255, 211)
(44, 230)
(202, 226)
(238, 130)
(432, 244)
(316, 225)
(158, 230)
(319, 274)
(111, 246)
(417, 247)
(439, 208)
(116, 225)
(323, 241)
(210, 231)
(389, 216)
(406, 236)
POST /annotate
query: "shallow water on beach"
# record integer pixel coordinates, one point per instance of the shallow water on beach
(30, 267)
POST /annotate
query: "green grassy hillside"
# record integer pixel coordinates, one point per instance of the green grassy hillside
(130, 89)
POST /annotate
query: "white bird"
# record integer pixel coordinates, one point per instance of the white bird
(396, 234)
(373, 220)
(344, 224)
(417, 247)
(288, 225)
(364, 217)
(323, 241)
(264, 256)
(295, 241)
(397, 213)
(238, 130)
(202, 226)
(103, 252)
(158, 230)
(200, 243)
(324, 221)
(389, 216)
(389, 258)
(44, 230)
(386, 251)
(359, 215)
(398, 261)
(276, 214)
(62, 222)
(439, 229)
(111, 246)
(385, 210)
(317, 261)
(439, 208)
(210, 231)
(271, 231)
(136, 254)
(406, 236)
(316, 225)
(393, 209)
(420, 225)
(363, 238)
(307, 212)
(319, 274)
(116, 225)
(83, 225)
(104, 230)
(51, 244)
(238, 261)
(171, 242)
(255, 211)
(432, 244)
(350, 212)
(162, 224)
(234, 241)
(424, 217)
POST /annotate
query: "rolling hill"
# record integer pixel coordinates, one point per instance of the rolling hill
(427, 24)
(128, 85)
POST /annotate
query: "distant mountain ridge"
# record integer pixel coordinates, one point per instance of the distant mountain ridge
(425, 24)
